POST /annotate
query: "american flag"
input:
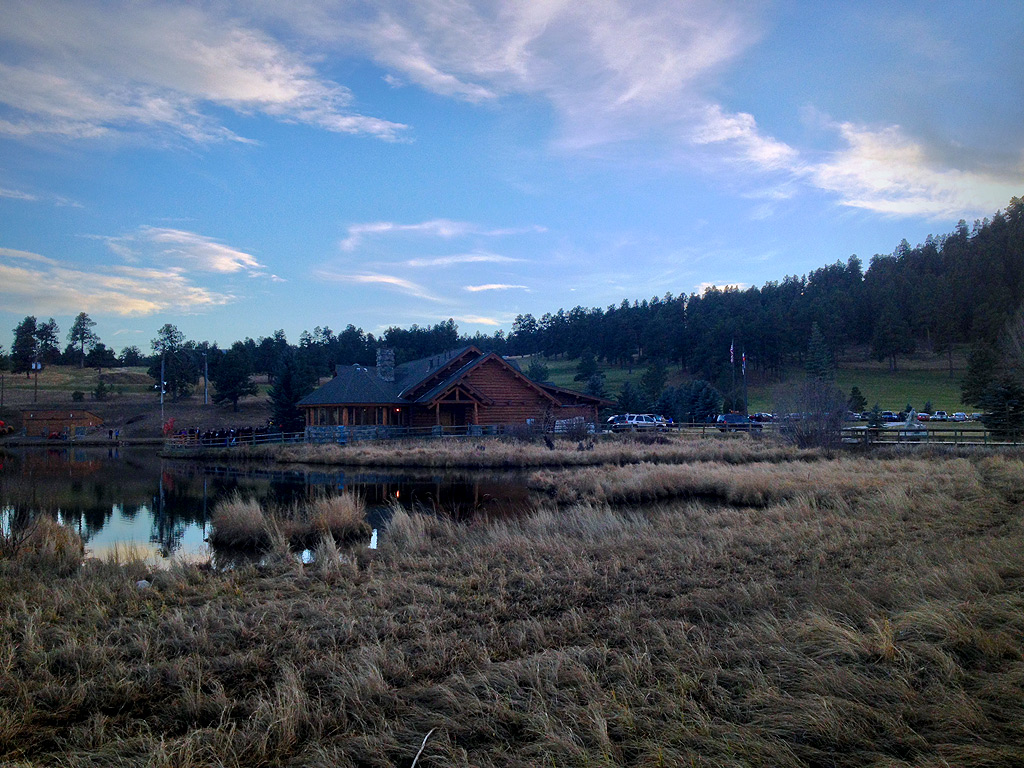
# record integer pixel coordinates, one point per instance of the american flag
(732, 357)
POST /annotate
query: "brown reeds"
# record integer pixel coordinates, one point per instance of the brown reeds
(240, 523)
(495, 453)
(880, 622)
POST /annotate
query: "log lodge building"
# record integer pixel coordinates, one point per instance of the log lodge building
(459, 388)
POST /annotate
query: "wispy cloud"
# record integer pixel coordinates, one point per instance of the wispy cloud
(161, 245)
(439, 228)
(885, 171)
(15, 194)
(31, 282)
(478, 320)
(390, 281)
(461, 258)
(104, 69)
(493, 287)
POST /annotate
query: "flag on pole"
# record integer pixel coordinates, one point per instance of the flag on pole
(732, 356)
(744, 363)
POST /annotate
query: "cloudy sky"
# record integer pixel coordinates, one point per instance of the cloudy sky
(238, 167)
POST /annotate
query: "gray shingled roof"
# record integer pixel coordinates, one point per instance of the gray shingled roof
(355, 384)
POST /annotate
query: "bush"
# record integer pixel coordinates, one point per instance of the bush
(42, 544)
(77, 396)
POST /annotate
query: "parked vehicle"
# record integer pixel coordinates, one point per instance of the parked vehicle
(924, 416)
(637, 422)
(737, 422)
(940, 416)
(959, 416)
(763, 418)
(889, 416)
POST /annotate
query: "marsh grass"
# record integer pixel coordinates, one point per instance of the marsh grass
(496, 453)
(879, 621)
(244, 524)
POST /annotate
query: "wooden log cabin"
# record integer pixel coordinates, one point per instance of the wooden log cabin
(455, 389)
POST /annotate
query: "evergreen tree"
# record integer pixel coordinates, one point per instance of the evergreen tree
(586, 367)
(857, 401)
(630, 399)
(652, 382)
(25, 346)
(180, 370)
(130, 356)
(596, 385)
(232, 376)
(47, 344)
(1003, 403)
(892, 336)
(819, 358)
(82, 336)
(537, 370)
(292, 382)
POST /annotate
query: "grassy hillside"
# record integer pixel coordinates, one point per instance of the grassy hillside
(919, 379)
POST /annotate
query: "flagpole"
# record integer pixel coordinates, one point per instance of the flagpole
(732, 369)
(745, 410)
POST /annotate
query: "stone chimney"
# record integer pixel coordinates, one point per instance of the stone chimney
(386, 364)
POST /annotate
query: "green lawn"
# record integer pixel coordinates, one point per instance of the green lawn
(917, 382)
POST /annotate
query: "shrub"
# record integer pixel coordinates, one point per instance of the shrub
(77, 396)
(42, 544)
(239, 522)
(340, 518)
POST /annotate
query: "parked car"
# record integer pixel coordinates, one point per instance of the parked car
(763, 418)
(889, 416)
(959, 416)
(924, 416)
(940, 416)
(637, 422)
(737, 422)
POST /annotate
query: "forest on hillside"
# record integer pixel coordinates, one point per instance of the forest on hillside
(964, 288)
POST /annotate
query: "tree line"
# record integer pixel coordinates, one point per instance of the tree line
(962, 288)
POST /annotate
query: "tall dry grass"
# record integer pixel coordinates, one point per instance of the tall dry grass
(241, 523)
(495, 453)
(880, 623)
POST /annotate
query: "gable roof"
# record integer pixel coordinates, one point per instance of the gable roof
(354, 384)
(425, 380)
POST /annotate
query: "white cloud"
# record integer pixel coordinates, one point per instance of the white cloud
(478, 320)
(44, 285)
(370, 278)
(493, 287)
(161, 245)
(84, 70)
(885, 171)
(461, 258)
(440, 228)
(15, 194)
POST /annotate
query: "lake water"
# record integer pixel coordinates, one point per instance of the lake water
(130, 495)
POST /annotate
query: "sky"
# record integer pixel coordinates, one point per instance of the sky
(234, 168)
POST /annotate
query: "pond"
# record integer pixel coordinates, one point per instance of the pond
(124, 496)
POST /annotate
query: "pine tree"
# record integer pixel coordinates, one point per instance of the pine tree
(232, 377)
(25, 346)
(857, 401)
(82, 336)
(292, 382)
(819, 358)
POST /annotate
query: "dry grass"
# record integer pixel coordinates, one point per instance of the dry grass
(241, 523)
(496, 453)
(878, 623)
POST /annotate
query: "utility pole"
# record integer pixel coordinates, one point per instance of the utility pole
(746, 412)
(206, 380)
(163, 385)
(36, 365)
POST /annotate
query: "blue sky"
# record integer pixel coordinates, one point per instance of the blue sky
(238, 167)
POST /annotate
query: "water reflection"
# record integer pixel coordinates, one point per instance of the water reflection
(131, 497)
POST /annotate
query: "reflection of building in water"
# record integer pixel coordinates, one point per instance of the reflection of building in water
(59, 423)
